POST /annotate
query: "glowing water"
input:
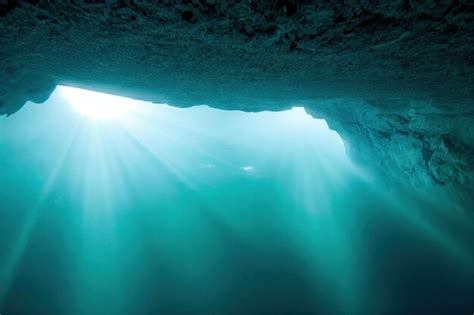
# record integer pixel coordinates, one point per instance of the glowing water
(113, 206)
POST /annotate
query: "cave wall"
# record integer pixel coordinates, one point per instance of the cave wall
(415, 143)
(394, 78)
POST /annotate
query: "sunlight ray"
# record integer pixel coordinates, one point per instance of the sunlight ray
(434, 230)
(164, 159)
(18, 248)
(148, 202)
(171, 139)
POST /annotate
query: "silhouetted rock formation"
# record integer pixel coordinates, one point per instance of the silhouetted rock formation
(400, 74)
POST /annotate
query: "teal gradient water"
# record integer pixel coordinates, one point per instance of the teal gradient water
(153, 209)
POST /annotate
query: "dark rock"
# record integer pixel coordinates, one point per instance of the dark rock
(394, 78)
(6, 6)
(187, 16)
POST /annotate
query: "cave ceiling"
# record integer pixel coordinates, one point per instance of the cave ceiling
(389, 76)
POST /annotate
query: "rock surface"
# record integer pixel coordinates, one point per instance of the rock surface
(394, 78)
(416, 143)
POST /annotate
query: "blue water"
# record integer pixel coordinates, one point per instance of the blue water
(141, 208)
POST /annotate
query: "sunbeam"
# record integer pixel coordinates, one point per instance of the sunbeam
(210, 209)
(7, 272)
(97, 106)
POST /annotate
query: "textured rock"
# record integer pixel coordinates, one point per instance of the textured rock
(415, 58)
(416, 143)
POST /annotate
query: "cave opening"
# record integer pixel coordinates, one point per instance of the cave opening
(101, 130)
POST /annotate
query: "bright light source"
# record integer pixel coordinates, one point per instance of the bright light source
(298, 114)
(97, 106)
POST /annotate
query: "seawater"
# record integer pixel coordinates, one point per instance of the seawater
(146, 208)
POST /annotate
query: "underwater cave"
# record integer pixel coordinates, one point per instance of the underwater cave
(236, 157)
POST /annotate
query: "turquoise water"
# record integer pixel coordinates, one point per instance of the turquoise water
(114, 206)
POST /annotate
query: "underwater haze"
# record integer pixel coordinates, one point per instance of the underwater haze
(110, 205)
